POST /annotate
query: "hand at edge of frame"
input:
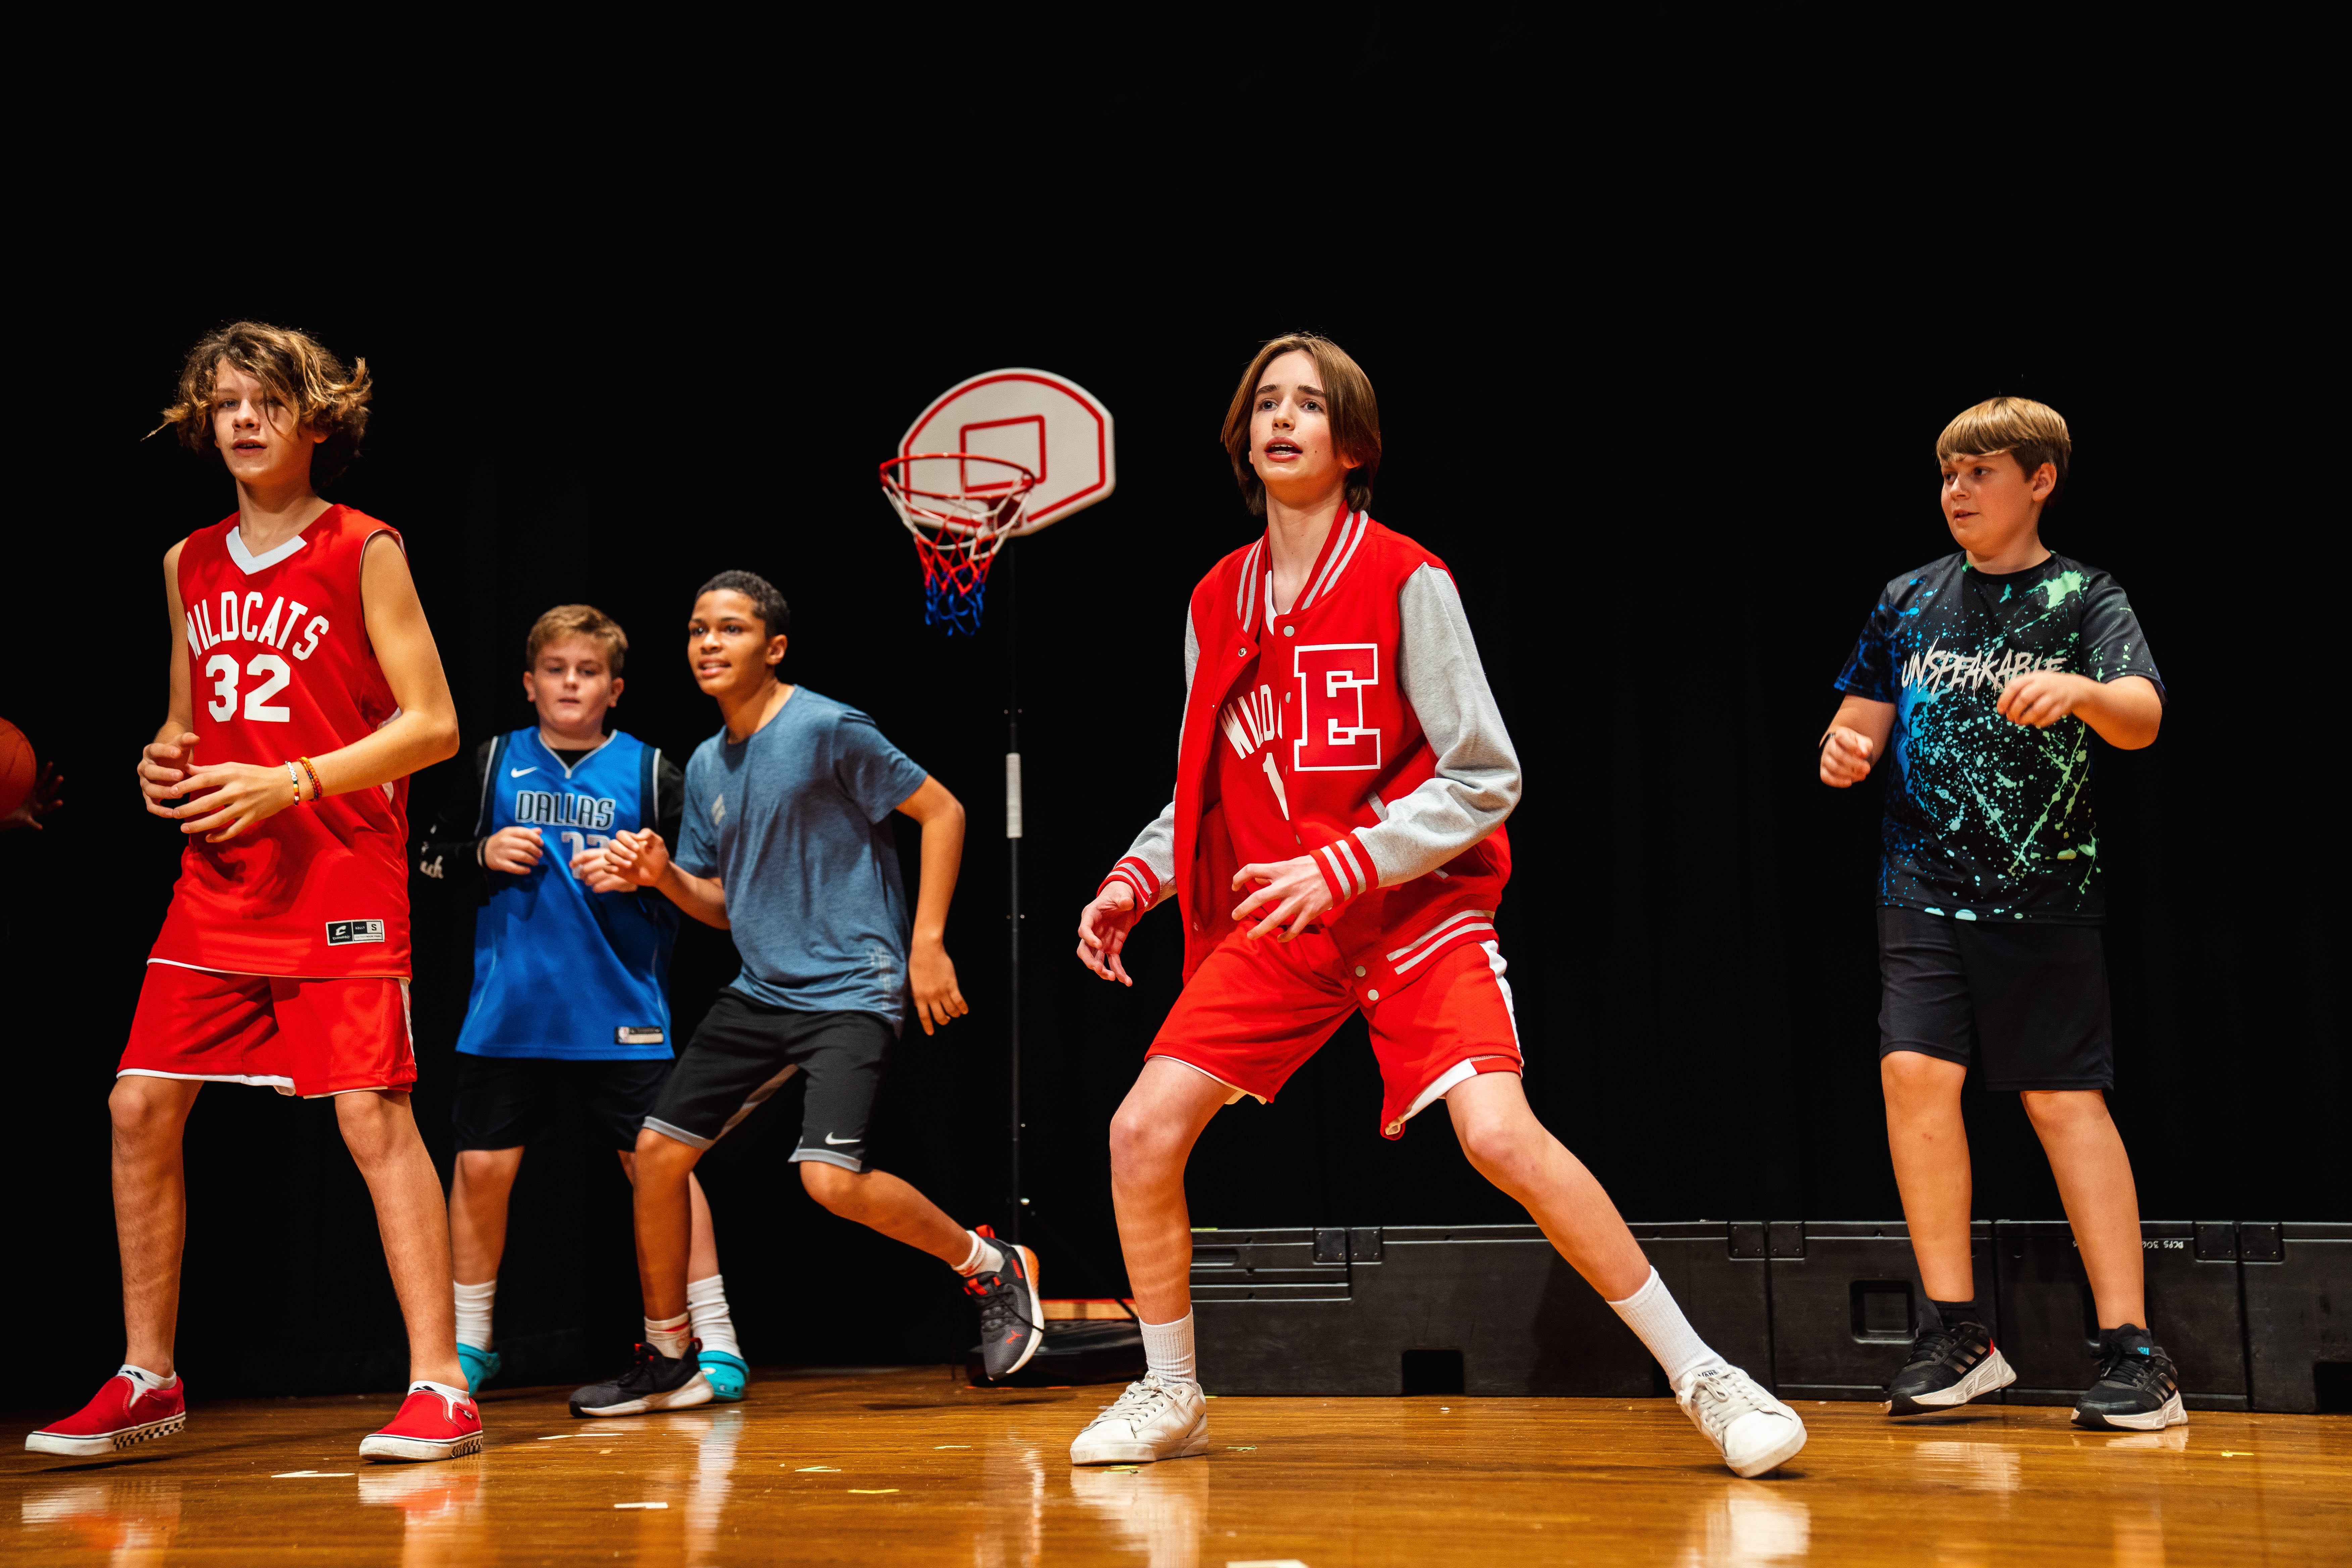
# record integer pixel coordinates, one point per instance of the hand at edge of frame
(37, 805)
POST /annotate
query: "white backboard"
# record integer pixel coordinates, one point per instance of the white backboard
(1046, 423)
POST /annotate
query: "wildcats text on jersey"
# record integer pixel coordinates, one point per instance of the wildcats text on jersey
(208, 628)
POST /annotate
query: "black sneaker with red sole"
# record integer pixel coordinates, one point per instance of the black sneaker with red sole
(1011, 1319)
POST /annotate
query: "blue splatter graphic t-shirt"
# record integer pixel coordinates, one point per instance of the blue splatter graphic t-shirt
(1986, 819)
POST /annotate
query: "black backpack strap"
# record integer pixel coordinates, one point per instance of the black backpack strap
(648, 784)
(498, 760)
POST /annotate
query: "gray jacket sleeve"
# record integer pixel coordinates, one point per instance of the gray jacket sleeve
(1156, 845)
(1477, 779)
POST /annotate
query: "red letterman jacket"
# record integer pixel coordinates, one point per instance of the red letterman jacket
(1358, 745)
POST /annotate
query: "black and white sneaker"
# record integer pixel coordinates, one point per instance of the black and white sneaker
(2138, 1388)
(656, 1383)
(1010, 1317)
(1948, 1367)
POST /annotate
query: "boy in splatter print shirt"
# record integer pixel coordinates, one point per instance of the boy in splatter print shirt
(1988, 671)
(1990, 817)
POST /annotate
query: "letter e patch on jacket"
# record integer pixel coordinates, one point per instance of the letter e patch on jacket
(1332, 735)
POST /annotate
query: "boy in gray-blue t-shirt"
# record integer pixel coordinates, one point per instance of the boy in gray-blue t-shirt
(787, 842)
(794, 823)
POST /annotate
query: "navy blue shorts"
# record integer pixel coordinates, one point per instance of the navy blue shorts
(2025, 1004)
(502, 1102)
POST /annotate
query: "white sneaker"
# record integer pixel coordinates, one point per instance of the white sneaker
(1156, 1418)
(1753, 1431)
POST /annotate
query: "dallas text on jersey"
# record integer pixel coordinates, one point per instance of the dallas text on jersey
(537, 805)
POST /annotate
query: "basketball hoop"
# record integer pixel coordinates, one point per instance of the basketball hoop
(958, 531)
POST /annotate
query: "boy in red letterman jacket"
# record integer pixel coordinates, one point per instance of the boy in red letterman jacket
(304, 689)
(1336, 845)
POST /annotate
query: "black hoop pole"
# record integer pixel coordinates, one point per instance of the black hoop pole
(1016, 1205)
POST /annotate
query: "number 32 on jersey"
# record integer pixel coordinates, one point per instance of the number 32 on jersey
(232, 619)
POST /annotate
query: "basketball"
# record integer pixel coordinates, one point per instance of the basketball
(18, 767)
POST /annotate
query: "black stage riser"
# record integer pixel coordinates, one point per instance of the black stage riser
(2257, 1316)
(2297, 1285)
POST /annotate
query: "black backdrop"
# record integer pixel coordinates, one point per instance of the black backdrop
(1670, 493)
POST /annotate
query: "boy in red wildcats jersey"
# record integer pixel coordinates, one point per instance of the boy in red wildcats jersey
(1336, 845)
(305, 688)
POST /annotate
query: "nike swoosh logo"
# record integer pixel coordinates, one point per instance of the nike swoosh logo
(830, 1139)
(517, 773)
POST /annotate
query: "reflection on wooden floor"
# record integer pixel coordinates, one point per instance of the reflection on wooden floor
(910, 1466)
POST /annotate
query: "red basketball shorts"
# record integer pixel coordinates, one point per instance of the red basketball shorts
(1255, 1011)
(309, 1037)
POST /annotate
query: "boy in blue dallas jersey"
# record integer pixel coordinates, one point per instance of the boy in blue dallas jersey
(1987, 672)
(569, 1019)
(788, 845)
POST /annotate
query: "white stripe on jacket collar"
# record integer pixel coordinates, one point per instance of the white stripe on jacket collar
(1352, 527)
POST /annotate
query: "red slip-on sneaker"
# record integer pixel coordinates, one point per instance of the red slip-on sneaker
(432, 1424)
(125, 1411)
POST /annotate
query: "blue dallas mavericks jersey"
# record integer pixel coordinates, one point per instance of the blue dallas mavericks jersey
(559, 971)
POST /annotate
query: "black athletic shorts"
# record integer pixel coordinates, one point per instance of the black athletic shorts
(502, 1102)
(2026, 1004)
(744, 1052)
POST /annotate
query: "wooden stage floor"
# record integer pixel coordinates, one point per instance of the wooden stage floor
(891, 1466)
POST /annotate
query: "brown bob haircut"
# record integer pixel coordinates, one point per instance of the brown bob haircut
(323, 394)
(576, 621)
(2033, 433)
(1355, 416)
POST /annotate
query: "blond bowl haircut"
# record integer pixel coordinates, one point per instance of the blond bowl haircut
(577, 621)
(2033, 433)
(324, 395)
(1354, 411)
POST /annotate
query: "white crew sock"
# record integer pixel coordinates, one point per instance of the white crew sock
(669, 1336)
(145, 1379)
(474, 1313)
(706, 1303)
(446, 1390)
(982, 1258)
(1167, 1349)
(1652, 1314)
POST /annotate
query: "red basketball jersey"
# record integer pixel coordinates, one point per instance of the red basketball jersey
(279, 665)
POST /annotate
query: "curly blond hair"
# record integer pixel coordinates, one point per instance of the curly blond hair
(323, 394)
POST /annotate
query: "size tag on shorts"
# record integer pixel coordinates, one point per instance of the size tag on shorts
(627, 1036)
(342, 933)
